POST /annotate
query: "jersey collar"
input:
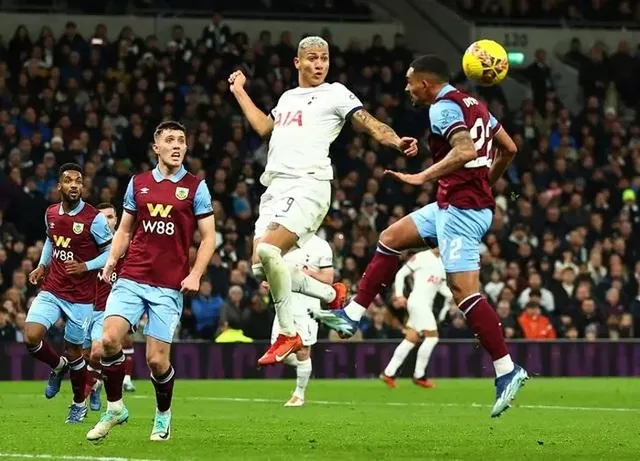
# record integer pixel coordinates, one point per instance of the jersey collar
(73, 212)
(177, 176)
(444, 90)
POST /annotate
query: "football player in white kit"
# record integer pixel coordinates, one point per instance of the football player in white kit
(429, 279)
(315, 258)
(298, 175)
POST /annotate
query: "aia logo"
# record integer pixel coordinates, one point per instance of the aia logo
(434, 279)
(288, 118)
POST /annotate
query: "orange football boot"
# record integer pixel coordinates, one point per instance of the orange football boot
(388, 380)
(341, 296)
(280, 349)
(424, 382)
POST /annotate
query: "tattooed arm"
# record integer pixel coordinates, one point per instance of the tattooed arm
(362, 120)
(462, 151)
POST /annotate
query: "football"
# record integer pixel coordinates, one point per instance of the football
(485, 62)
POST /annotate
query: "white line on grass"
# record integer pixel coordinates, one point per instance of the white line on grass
(399, 404)
(71, 458)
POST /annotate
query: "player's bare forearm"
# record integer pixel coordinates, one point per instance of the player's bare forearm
(207, 228)
(381, 132)
(259, 121)
(122, 237)
(462, 151)
(505, 152)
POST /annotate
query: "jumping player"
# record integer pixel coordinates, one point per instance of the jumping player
(298, 177)
(315, 259)
(162, 209)
(429, 279)
(77, 245)
(93, 342)
(462, 134)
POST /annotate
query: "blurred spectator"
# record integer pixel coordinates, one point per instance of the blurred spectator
(206, 310)
(535, 325)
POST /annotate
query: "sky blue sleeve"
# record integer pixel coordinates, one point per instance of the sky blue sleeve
(99, 261)
(493, 122)
(444, 116)
(129, 199)
(100, 230)
(202, 205)
(45, 257)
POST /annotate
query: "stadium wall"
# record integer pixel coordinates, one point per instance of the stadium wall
(455, 359)
(342, 33)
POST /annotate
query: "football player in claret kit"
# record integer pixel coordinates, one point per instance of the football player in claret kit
(298, 175)
(76, 247)
(162, 210)
(93, 341)
(314, 258)
(463, 137)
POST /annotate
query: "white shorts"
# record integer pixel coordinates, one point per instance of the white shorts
(421, 317)
(297, 204)
(306, 327)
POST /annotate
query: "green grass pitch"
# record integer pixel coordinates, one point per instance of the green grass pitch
(552, 419)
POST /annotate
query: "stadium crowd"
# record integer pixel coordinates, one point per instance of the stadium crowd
(560, 259)
(551, 10)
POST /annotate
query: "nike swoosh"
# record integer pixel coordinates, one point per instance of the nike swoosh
(164, 436)
(280, 358)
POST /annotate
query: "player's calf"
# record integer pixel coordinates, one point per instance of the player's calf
(400, 354)
(301, 360)
(429, 342)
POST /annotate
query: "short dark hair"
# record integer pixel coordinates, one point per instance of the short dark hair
(69, 167)
(432, 64)
(169, 125)
(105, 205)
(533, 304)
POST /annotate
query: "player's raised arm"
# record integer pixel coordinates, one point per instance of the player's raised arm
(505, 152)
(259, 121)
(363, 121)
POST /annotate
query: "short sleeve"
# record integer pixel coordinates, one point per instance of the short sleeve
(446, 118)
(323, 255)
(202, 206)
(345, 102)
(129, 198)
(494, 124)
(100, 230)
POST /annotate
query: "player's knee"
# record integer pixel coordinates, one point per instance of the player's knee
(433, 334)
(158, 363)
(111, 342)
(96, 354)
(266, 251)
(390, 239)
(72, 351)
(303, 354)
(32, 335)
(412, 336)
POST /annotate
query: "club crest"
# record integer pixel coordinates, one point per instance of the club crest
(182, 193)
(78, 227)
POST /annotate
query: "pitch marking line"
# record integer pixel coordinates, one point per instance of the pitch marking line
(398, 404)
(71, 458)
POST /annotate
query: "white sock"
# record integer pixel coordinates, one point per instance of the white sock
(355, 311)
(303, 373)
(424, 354)
(305, 284)
(127, 379)
(398, 358)
(81, 404)
(503, 366)
(115, 407)
(279, 278)
(97, 385)
(163, 413)
(63, 361)
(291, 360)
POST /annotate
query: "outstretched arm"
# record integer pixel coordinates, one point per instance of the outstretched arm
(462, 151)
(505, 152)
(362, 120)
(259, 121)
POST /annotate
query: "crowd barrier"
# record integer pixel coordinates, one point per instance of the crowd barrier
(451, 359)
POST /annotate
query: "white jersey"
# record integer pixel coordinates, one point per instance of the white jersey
(429, 279)
(315, 254)
(306, 122)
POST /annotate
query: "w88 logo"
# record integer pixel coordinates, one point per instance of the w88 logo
(63, 255)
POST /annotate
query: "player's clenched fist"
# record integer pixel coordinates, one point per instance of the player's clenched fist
(237, 81)
(36, 275)
(409, 146)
